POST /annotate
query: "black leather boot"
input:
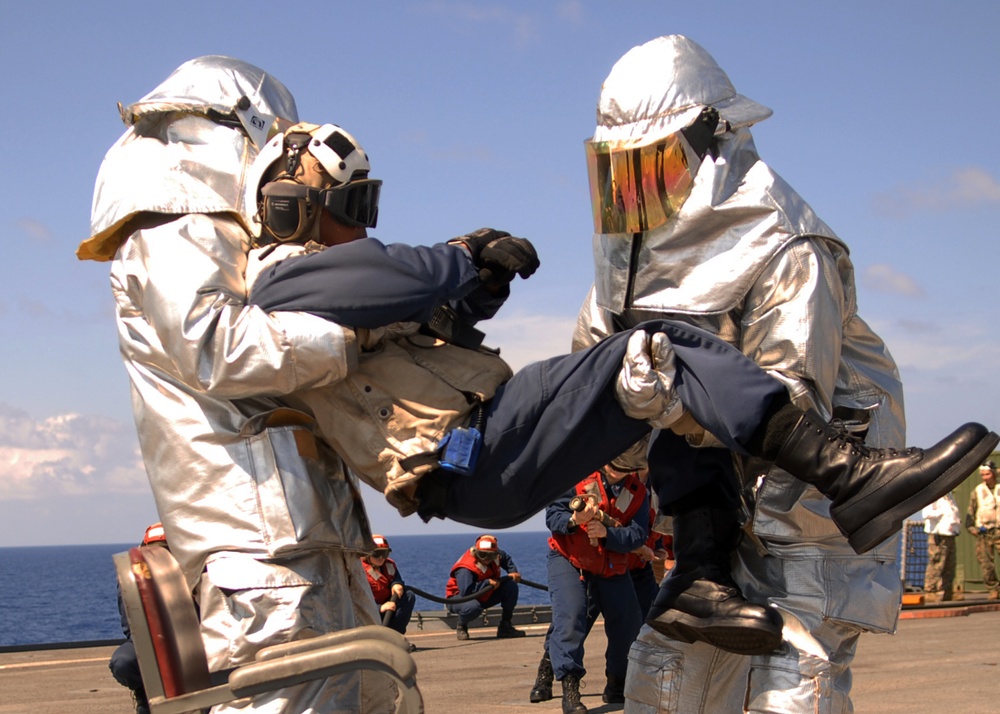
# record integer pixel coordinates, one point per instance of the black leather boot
(875, 490)
(506, 630)
(542, 691)
(614, 690)
(571, 703)
(140, 701)
(699, 600)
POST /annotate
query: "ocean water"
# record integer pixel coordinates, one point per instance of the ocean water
(54, 594)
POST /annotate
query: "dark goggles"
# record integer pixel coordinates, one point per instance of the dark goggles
(354, 203)
(289, 208)
(380, 553)
(486, 555)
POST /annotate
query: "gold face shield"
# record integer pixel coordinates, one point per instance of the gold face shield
(638, 188)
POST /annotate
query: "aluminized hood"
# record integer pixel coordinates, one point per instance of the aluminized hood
(739, 213)
(187, 148)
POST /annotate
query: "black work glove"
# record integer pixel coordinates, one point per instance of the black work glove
(499, 255)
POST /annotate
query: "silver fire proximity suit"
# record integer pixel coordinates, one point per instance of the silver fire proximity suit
(745, 258)
(264, 520)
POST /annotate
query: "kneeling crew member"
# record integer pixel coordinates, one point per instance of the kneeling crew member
(385, 581)
(478, 570)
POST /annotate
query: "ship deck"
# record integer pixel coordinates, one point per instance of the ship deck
(928, 666)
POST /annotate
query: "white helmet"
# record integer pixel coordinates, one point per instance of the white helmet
(305, 168)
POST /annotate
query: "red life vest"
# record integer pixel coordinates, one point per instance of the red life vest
(380, 579)
(482, 571)
(576, 547)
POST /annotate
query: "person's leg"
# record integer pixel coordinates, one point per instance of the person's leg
(506, 596)
(467, 612)
(644, 582)
(698, 600)
(994, 549)
(542, 690)
(559, 419)
(948, 568)
(404, 610)
(124, 665)
(568, 593)
(872, 490)
(933, 585)
(986, 554)
(622, 619)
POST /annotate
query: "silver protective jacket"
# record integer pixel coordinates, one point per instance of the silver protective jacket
(261, 515)
(747, 259)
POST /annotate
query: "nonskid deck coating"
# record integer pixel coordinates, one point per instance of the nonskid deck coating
(930, 665)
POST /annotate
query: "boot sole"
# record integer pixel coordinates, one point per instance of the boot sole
(538, 698)
(890, 522)
(736, 635)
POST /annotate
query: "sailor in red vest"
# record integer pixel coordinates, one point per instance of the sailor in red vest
(124, 662)
(588, 568)
(386, 582)
(479, 570)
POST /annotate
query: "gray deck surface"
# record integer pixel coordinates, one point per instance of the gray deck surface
(942, 660)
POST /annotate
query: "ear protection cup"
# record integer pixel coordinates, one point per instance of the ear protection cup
(288, 210)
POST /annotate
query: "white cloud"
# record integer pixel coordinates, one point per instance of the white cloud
(961, 350)
(67, 455)
(886, 279)
(528, 338)
(35, 229)
(571, 10)
(524, 26)
(476, 154)
(963, 188)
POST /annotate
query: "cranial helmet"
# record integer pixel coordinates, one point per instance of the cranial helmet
(304, 169)
(486, 547)
(658, 112)
(154, 534)
(381, 546)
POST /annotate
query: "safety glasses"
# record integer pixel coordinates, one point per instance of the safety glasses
(637, 188)
(380, 553)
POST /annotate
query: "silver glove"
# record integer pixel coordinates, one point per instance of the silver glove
(645, 386)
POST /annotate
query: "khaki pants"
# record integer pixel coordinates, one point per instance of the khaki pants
(939, 577)
(986, 551)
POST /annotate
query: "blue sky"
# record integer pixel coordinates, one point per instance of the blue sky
(474, 114)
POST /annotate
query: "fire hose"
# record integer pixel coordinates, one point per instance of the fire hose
(456, 599)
